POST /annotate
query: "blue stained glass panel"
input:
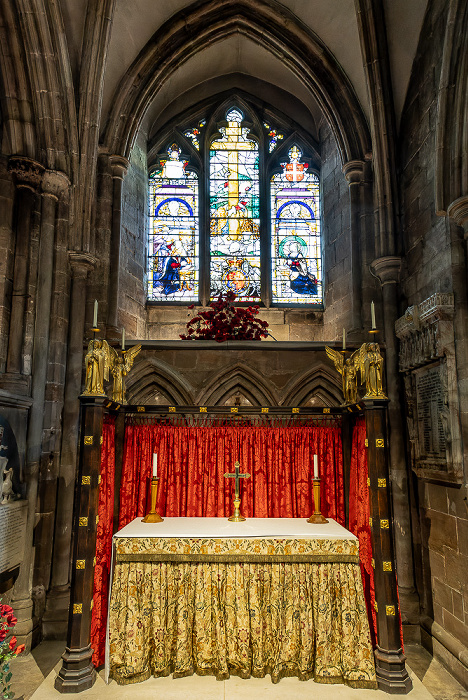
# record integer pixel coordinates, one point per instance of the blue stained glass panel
(295, 230)
(234, 212)
(173, 256)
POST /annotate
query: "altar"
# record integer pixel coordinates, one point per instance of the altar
(274, 596)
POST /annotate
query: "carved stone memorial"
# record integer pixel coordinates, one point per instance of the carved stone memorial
(427, 362)
(12, 531)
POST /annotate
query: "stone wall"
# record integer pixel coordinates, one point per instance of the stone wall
(132, 313)
(431, 261)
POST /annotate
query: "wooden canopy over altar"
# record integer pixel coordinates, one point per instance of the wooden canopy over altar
(77, 671)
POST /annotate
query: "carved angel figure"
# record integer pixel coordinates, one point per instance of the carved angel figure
(348, 373)
(121, 364)
(369, 362)
(98, 361)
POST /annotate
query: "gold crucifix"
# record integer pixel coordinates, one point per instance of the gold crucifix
(237, 517)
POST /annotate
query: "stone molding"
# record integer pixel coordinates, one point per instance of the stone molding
(458, 211)
(54, 184)
(119, 165)
(354, 172)
(81, 264)
(387, 269)
(26, 171)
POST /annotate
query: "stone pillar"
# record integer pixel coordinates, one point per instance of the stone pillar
(392, 675)
(387, 269)
(77, 672)
(53, 185)
(354, 174)
(27, 175)
(56, 614)
(119, 166)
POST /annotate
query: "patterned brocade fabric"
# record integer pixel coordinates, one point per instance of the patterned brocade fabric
(246, 607)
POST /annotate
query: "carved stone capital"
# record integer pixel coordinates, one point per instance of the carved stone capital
(354, 171)
(81, 264)
(27, 172)
(54, 183)
(458, 211)
(119, 166)
(387, 269)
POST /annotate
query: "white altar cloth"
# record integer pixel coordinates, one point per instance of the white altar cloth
(221, 527)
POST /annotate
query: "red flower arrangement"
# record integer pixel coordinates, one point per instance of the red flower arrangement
(8, 648)
(223, 321)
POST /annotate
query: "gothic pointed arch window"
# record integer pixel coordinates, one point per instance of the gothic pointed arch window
(234, 205)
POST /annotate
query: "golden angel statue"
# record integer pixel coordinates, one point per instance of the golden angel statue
(348, 372)
(98, 361)
(369, 362)
(121, 364)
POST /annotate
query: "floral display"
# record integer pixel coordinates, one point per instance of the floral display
(223, 321)
(8, 648)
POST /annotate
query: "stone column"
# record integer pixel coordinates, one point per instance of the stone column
(119, 166)
(27, 175)
(387, 269)
(53, 185)
(55, 618)
(354, 174)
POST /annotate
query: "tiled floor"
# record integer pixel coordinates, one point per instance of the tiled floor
(34, 676)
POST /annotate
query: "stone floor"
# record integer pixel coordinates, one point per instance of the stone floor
(34, 676)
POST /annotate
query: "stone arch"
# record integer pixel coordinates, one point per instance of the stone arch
(245, 380)
(150, 376)
(318, 382)
(264, 22)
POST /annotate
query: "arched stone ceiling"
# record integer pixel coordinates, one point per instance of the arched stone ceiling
(334, 21)
(235, 54)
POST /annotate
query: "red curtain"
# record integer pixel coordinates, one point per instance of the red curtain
(359, 513)
(103, 542)
(192, 462)
(191, 465)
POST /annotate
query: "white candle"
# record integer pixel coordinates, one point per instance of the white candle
(316, 471)
(95, 314)
(372, 313)
(344, 339)
(155, 464)
(123, 338)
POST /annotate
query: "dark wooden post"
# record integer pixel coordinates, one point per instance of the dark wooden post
(77, 672)
(392, 676)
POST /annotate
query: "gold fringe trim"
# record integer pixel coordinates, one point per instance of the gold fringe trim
(156, 558)
(121, 679)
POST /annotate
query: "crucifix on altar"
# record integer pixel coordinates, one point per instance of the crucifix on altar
(236, 517)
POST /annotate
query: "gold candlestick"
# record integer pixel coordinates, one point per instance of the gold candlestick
(153, 516)
(317, 516)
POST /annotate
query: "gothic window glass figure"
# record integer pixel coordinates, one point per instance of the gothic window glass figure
(273, 136)
(295, 234)
(194, 134)
(173, 256)
(234, 211)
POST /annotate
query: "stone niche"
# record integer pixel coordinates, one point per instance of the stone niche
(427, 362)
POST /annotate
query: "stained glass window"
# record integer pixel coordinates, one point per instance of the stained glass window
(234, 212)
(220, 222)
(295, 231)
(173, 258)
(274, 136)
(194, 134)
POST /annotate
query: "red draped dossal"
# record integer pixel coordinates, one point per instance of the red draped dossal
(103, 542)
(191, 466)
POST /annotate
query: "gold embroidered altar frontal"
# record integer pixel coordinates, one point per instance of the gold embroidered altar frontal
(243, 606)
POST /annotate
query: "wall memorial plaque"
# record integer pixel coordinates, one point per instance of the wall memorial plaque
(431, 419)
(12, 532)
